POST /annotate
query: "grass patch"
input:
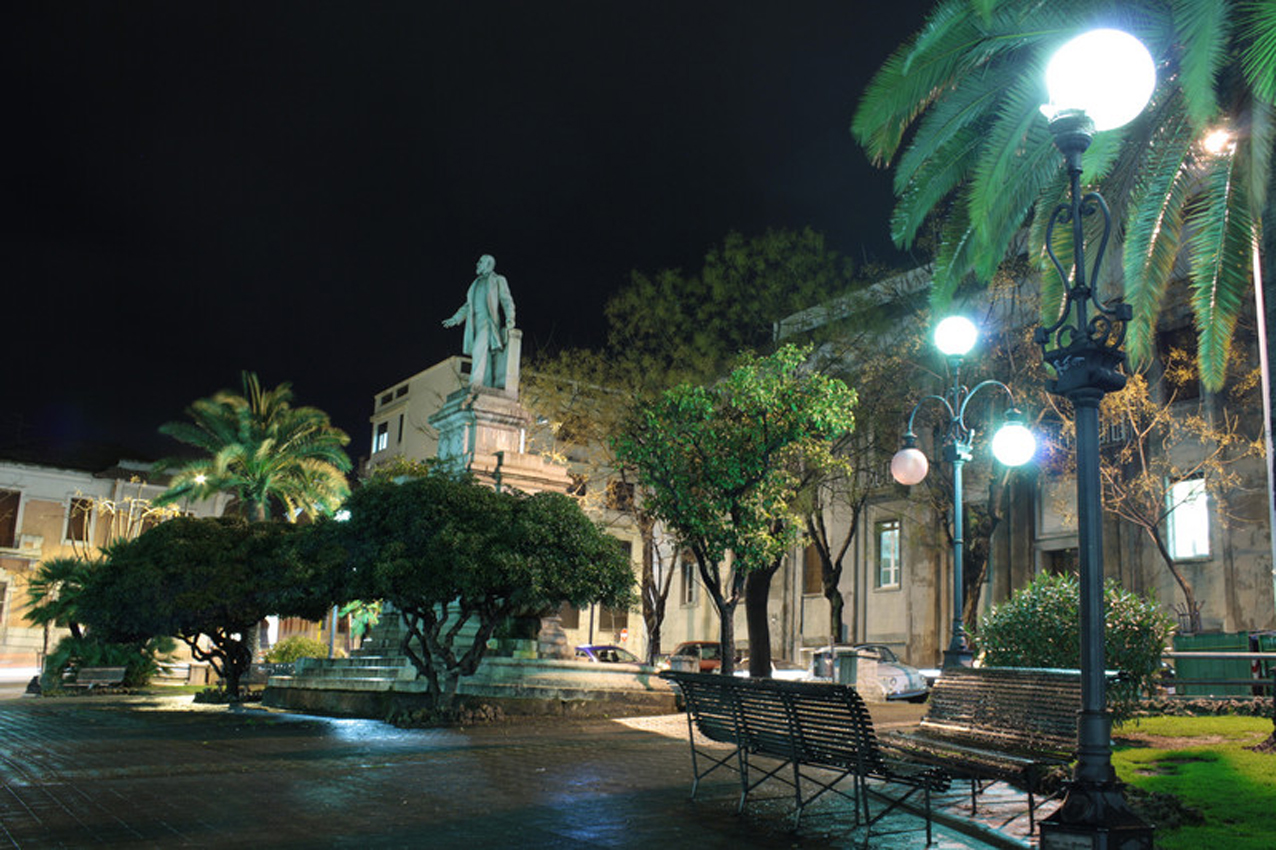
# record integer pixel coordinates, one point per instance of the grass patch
(1203, 762)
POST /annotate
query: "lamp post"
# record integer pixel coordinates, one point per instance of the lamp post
(1097, 81)
(1013, 445)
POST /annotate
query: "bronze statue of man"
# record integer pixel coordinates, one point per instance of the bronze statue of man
(486, 334)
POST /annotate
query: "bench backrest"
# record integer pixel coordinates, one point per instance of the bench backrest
(1032, 709)
(94, 675)
(815, 723)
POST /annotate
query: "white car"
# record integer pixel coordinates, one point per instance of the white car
(898, 680)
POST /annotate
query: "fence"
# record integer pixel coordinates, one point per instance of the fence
(1221, 674)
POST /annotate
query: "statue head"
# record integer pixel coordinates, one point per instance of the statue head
(486, 264)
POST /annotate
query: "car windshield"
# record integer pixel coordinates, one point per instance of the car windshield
(614, 655)
(710, 651)
(883, 654)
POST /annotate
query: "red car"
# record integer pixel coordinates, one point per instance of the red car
(708, 653)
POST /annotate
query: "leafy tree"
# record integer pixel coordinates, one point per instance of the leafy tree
(1166, 440)
(1039, 626)
(450, 554)
(665, 329)
(721, 466)
(193, 578)
(965, 90)
(278, 460)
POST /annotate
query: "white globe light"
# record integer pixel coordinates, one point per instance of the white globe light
(1106, 73)
(1014, 444)
(909, 466)
(955, 336)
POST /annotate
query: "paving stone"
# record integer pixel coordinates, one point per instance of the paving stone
(103, 771)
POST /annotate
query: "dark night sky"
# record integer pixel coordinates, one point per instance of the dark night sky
(301, 189)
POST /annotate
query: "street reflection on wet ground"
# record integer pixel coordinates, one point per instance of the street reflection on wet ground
(155, 772)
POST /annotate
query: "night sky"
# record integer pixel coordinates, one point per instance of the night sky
(301, 189)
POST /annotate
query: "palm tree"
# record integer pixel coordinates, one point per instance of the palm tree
(54, 590)
(275, 458)
(1191, 175)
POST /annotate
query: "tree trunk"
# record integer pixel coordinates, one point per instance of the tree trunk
(1192, 611)
(757, 590)
(725, 607)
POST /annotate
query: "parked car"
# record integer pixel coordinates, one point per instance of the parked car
(606, 654)
(898, 680)
(708, 653)
(785, 670)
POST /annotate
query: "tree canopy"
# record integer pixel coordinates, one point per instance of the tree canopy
(277, 459)
(450, 554)
(721, 465)
(191, 577)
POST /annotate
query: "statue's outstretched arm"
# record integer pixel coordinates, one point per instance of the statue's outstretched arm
(456, 318)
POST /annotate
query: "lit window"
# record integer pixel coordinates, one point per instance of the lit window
(9, 503)
(888, 553)
(381, 437)
(1188, 522)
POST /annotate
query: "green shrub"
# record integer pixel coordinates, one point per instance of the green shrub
(140, 662)
(290, 649)
(1039, 626)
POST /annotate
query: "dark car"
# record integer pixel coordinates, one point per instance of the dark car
(606, 654)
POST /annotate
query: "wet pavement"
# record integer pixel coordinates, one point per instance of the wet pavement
(161, 772)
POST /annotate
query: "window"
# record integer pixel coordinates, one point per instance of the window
(687, 587)
(401, 392)
(381, 438)
(812, 571)
(1188, 524)
(400, 440)
(78, 515)
(9, 502)
(888, 553)
(387, 398)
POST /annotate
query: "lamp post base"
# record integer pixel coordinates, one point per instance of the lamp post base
(1094, 816)
(958, 657)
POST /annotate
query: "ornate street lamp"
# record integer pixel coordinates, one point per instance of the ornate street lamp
(1097, 81)
(1013, 445)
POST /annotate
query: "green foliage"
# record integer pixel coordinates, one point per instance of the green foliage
(54, 591)
(721, 464)
(363, 616)
(140, 659)
(290, 649)
(447, 552)
(192, 577)
(275, 458)
(1039, 626)
(957, 107)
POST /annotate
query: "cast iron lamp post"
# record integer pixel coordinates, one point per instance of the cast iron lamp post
(1013, 445)
(1097, 81)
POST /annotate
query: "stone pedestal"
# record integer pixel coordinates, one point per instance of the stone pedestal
(484, 430)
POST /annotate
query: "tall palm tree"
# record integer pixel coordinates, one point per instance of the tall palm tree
(956, 109)
(277, 459)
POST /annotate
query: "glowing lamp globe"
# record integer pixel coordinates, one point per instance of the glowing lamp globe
(955, 336)
(1106, 73)
(1014, 444)
(909, 466)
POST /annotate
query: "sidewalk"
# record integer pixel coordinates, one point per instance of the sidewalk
(162, 772)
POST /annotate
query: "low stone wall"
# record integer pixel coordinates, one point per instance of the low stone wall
(518, 686)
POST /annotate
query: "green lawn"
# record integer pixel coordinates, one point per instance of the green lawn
(1203, 762)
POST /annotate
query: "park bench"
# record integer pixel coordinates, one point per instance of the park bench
(89, 678)
(801, 725)
(1013, 724)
